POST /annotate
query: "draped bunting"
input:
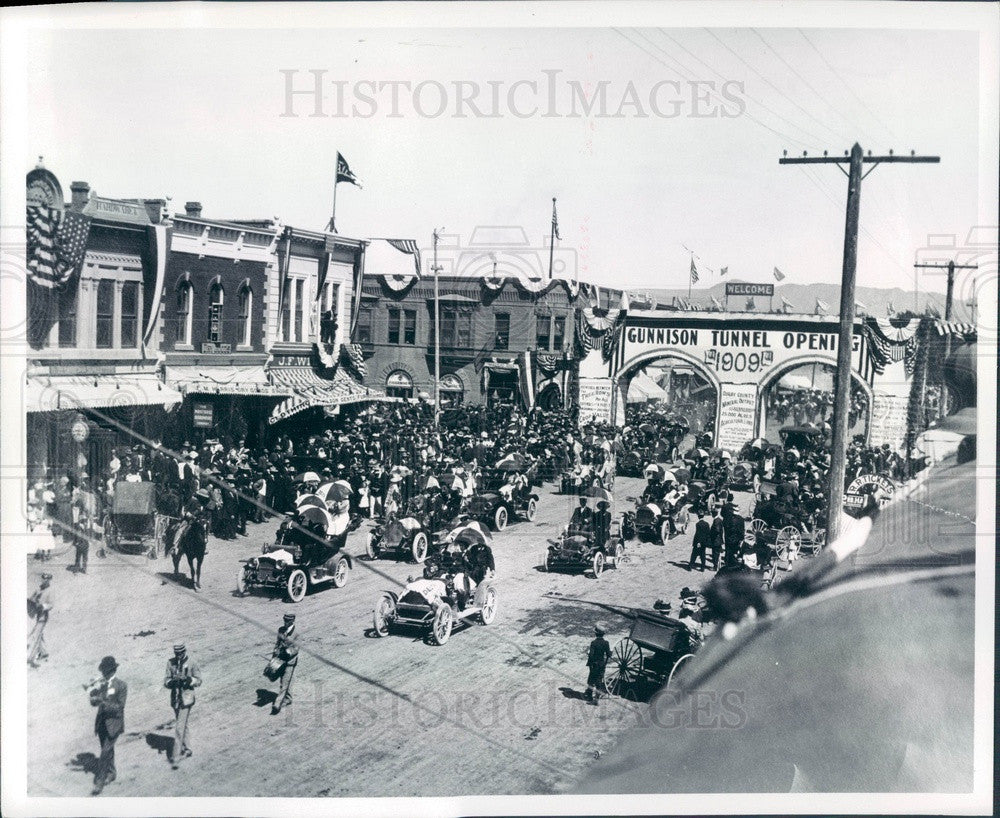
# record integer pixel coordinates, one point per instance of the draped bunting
(892, 333)
(600, 320)
(548, 365)
(354, 359)
(398, 283)
(583, 341)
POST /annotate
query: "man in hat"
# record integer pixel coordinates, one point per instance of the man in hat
(582, 519)
(41, 605)
(286, 649)
(597, 660)
(181, 678)
(108, 695)
(702, 540)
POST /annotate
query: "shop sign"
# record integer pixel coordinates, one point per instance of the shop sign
(203, 416)
(867, 485)
(742, 288)
(213, 348)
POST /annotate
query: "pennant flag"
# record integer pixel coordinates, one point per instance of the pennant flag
(778, 275)
(716, 303)
(723, 271)
(694, 272)
(555, 221)
(859, 307)
(821, 306)
(889, 309)
(750, 304)
(786, 304)
(344, 172)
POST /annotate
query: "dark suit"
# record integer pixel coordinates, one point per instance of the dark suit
(702, 539)
(717, 540)
(109, 699)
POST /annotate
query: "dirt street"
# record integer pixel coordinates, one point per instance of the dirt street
(497, 709)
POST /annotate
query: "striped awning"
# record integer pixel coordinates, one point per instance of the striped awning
(105, 391)
(310, 389)
(955, 328)
(222, 380)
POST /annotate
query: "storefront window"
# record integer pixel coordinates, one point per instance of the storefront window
(246, 308)
(502, 330)
(298, 330)
(363, 330)
(451, 391)
(184, 292)
(559, 333)
(130, 314)
(456, 328)
(393, 337)
(286, 310)
(105, 313)
(410, 327)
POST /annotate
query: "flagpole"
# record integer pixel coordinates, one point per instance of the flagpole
(437, 336)
(552, 236)
(333, 214)
(689, 277)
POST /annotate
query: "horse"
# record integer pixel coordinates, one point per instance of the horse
(190, 540)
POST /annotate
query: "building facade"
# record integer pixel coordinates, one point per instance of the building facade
(91, 380)
(503, 340)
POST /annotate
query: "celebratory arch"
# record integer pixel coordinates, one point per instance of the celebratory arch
(741, 355)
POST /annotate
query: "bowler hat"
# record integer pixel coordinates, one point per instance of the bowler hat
(108, 665)
(289, 617)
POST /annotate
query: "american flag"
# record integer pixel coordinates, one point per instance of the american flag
(694, 272)
(56, 245)
(407, 246)
(344, 172)
(355, 359)
(555, 221)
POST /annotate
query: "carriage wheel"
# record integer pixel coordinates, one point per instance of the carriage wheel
(598, 564)
(710, 502)
(341, 572)
(546, 565)
(443, 623)
(687, 657)
(418, 548)
(489, 610)
(625, 667)
(296, 585)
(500, 518)
(371, 550)
(665, 532)
(758, 526)
(529, 511)
(787, 542)
(385, 612)
(619, 555)
(241, 582)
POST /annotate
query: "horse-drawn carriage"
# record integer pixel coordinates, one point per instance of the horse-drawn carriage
(787, 528)
(133, 524)
(307, 554)
(651, 655)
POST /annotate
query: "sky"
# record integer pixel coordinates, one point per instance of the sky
(198, 115)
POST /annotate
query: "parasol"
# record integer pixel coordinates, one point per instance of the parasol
(308, 477)
(338, 491)
(313, 514)
(669, 474)
(653, 469)
(759, 443)
(309, 500)
(470, 533)
(512, 462)
(682, 475)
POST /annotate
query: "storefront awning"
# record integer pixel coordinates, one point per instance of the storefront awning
(309, 389)
(58, 392)
(223, 380)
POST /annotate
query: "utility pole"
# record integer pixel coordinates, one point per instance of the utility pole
(951, 266)
(436, 268)
(842, 380)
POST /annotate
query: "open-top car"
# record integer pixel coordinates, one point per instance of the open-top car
(415, 533)
(582, 550)
(499, 507)
(448, 594)
(307, 554)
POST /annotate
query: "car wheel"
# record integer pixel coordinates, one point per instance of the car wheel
(619, 555)
(665, 532)
(371, 550)
(598, 564)
(341, 573)
(442, 625)
(489, 610)
(529, 511)
(241, 582)
(385, 612)
(296, 585)
(418, 548)
(500, 518)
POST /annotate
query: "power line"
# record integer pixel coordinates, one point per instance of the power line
(772, 85)
(771, 111)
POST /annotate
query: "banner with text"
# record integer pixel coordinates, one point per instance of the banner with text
(595, 399)
(737, 411)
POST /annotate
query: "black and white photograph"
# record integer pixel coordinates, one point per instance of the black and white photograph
(498, 409)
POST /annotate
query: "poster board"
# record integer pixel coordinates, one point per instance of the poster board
(737, 411)
(595, 399)
(888, 421)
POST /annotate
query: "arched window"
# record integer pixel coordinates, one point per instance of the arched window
(246, 310)
(184, 296)
(216, 298)
(451, 390)
(399, 385)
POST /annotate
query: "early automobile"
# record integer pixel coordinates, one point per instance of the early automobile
(447, 595)
(497, 508)
(579, 551)
(307, 554)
